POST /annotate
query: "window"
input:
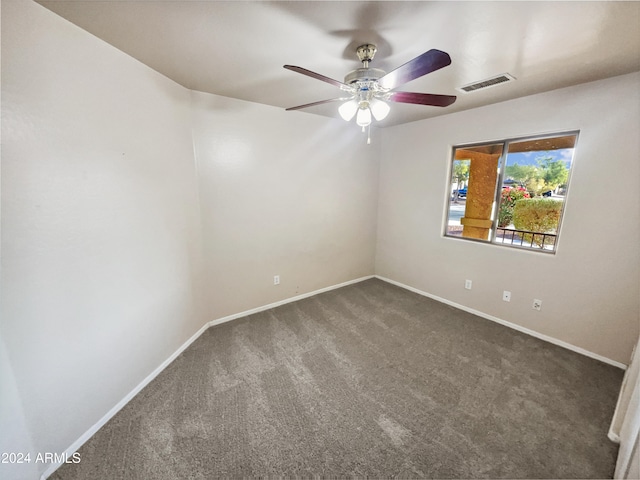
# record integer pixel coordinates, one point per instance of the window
(511, 192)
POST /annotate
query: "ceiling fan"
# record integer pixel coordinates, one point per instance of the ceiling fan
(367, 90)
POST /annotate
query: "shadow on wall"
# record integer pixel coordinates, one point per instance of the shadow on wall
(15, 432)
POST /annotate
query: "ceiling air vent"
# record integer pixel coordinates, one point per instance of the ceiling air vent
(489, 82)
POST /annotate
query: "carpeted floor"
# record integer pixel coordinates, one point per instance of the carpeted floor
(369, 380)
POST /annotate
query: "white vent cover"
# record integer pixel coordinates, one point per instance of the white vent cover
(489, 82)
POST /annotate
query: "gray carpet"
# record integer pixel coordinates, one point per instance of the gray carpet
(369, 380)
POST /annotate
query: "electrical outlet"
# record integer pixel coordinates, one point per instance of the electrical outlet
(506, 296)
(276, 279)
(537, 304)
(467, 284)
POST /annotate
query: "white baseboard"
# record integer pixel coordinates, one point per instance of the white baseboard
(100, 423)
(89, 433)
(283, 302)
(514, 326)
(613, 437)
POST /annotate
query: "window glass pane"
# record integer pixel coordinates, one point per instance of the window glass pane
(474, 176)
(533, 191)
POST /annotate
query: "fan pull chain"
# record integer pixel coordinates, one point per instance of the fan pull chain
(369, 135)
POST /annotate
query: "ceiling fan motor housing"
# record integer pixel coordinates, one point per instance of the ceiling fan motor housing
(364, 75)
(365, 78)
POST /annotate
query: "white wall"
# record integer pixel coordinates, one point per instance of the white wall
(590, 287)
(100, 228)
(282, 193)
(16, 436)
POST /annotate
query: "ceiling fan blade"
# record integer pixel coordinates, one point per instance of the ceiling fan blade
(317, 103)
(422, 98)
(317, 76)
(426, 63)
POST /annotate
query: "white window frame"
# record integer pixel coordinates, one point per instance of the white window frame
(493, 240)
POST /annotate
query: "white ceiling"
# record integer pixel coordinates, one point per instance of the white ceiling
(237, 48)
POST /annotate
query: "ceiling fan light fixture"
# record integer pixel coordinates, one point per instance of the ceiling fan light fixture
(364, 117)
(348, 109)
(379, 109)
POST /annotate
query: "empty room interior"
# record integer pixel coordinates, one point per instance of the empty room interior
(217, 267)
